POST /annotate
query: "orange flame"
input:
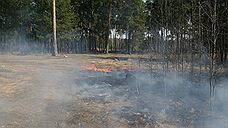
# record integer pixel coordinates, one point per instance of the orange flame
(93, 67)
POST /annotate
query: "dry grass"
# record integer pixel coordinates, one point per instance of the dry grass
(10, 88)
(13, 78)
(96, 115)
(17, 74)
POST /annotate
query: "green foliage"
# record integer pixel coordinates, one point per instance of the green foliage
(91, 21)
(66, 20)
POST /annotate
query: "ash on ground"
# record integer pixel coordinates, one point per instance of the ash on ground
(121, 99)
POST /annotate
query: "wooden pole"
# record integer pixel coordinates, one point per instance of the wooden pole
(55, 51)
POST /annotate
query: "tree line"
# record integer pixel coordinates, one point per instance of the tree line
(179, 28)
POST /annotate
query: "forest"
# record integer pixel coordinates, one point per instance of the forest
(176, 26)
(114, 63)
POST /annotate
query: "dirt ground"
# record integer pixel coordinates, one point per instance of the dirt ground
(40, 92)
(55, 92)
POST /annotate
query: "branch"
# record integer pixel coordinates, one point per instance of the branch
(210, 17)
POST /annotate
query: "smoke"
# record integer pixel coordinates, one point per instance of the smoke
(219, 117)
(61, 91)
(164, 97)
(170, 97)
(21, 45)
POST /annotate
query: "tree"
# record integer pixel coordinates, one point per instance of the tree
(55, 50)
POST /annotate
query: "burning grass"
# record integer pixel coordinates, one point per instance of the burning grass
(109, 63)
(100, 96)
(93, 67)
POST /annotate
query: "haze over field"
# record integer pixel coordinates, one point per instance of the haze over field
(113, 64)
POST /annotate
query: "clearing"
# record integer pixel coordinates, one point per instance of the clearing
(96, 91)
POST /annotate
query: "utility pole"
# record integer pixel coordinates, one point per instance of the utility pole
(55, 50)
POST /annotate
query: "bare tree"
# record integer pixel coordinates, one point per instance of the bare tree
(55, 50)
(109, 24)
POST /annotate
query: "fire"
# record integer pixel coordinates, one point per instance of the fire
(93, 67)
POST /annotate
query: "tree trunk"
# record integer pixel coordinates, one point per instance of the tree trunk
(200, 40)
(55, 52)
(109, 25)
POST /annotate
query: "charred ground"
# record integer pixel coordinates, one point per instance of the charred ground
(44, 91)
